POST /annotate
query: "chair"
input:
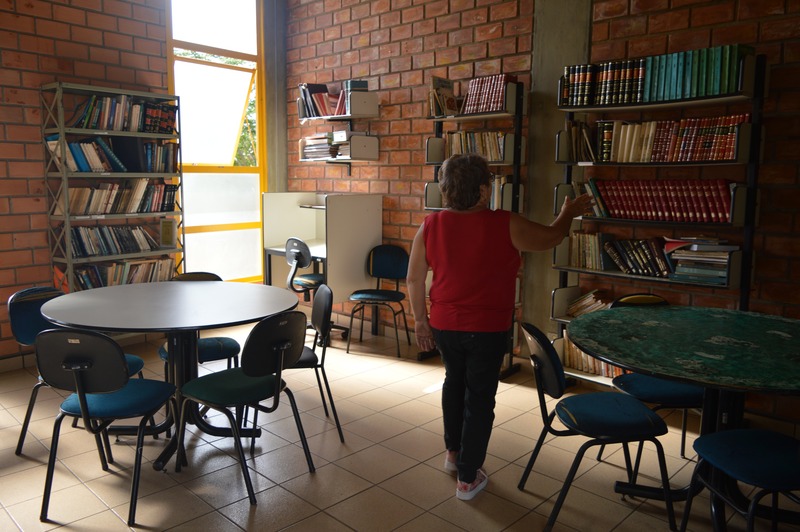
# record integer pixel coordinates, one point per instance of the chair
(92, 367)
(603, 417)
(212, 348)
(768, 460)
(321, 321)
(385, 262)
(655, 391)
(24, 312)
(298, 256)
(273, 344)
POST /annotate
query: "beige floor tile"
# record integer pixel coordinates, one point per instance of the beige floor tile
(427, 522)
(327, 486)
(157, 511)
(375, 509)
(485, 512)
(415, 412)
(416, 443)
(422, 486)
(317, 522)
(285, 463)
(277, 508)
(376, 463)
(328, 446)
(211, 521)
(226, 486)
(378, 427)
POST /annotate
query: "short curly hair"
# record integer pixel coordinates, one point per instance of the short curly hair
(460, 180)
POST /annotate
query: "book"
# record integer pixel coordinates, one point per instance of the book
(116, 164)
(444, 91)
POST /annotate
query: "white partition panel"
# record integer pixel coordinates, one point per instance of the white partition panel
(354, 226)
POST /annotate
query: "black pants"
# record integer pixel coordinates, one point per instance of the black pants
(472, 369)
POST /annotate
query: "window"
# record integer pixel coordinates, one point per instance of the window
(215, 70)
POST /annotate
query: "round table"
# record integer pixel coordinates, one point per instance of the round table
(179, 309)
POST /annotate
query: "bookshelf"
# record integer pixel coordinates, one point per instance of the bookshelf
(114, 184)
(640, 197)
(495, 134)
(493, 129)
(342, 146)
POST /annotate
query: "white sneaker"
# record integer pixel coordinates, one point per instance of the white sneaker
(449, 466)
(467, 492)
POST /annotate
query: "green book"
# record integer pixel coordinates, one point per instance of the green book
(668, 75)
(725, 69)
(695, 73)
(702, 70)
(716, 70)
(687, 73)
(711, 61)
(648, 75)
(679, 59)
(737, 54)
(662, 76)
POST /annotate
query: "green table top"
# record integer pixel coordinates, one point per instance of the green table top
(717, 348)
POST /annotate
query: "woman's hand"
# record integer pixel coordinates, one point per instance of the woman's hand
(578, 206)
(424, 335)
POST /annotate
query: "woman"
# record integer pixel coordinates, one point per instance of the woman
(474, 253)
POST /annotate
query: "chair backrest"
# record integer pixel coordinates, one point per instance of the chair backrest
(24, 312)
(276, 342)
(80, 361)
(388, 261)
(631, 300)
(546, 363)
(197, 276)
(321, 311)
(298, 256)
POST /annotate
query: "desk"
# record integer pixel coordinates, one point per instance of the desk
(179, 309)
(340, 229)
(726, 351)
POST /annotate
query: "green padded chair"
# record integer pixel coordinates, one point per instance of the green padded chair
(212, 348)
(25, 314)
(92, 367)
(385, 262)
(767, 460)
(603, 417)
(273, 344)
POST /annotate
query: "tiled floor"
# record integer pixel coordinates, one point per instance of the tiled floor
(387, 476)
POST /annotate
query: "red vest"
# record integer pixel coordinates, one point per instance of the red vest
(475, 268)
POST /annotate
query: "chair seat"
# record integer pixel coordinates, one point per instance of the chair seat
(380, 296)
(660, 391)
(231, 387)
(308, 280)
(612, 416)
(210, 349)
(138, 398)
(135, 364)
(308, 359)
(761, 458)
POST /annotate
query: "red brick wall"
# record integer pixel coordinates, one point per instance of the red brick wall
(119, 43)
(634, 28)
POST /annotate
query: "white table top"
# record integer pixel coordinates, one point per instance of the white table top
(317, 247)
(168, 306)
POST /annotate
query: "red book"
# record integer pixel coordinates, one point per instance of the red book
(715, 207)
(724, 194)
(696, 189)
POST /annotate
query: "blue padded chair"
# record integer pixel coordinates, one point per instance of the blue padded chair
(273, 344)
(298, 257)
(768, 460)
(385, 262)
(321, 322)
(25, 314)
(212, 348)
(92, 367)
(661, 393)
(603, 417)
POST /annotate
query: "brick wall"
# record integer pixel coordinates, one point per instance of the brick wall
(635, 28)
(115, 43)
(397, 45)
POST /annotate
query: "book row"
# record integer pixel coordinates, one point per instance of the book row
(648, 257)
(489, 144)
(714, 71)
(126, 113)
(106, 240)
(316, 101)
(118, 154)
(132, 196)
(574, 358)
(487, 94)
(664, 200)
(665, 141)
(124, 272)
